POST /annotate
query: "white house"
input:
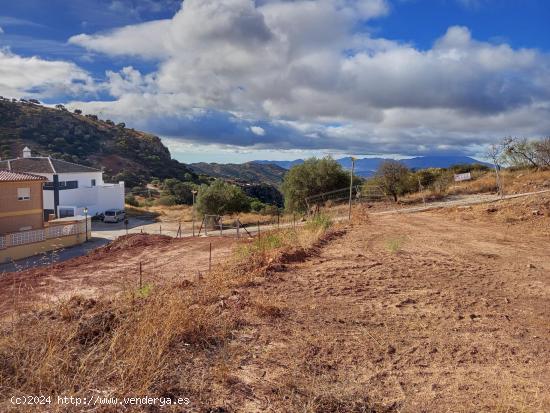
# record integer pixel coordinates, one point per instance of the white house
(70, 187)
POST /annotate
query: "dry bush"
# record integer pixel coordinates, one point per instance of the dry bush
(163, 342)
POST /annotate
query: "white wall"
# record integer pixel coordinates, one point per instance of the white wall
(97, 199)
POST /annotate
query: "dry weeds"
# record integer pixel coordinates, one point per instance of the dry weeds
(160, 341)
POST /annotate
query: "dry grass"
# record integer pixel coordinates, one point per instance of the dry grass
(157, 341)
(513, 182)
(395, 245)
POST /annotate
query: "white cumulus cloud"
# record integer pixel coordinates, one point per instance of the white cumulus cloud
(302, 71)
(33, 76)
(257, 130)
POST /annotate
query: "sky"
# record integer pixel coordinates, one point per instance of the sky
(238, 80)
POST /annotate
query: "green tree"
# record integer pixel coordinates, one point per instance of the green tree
(180, 191)
(394, 178)
(312, 177)
(221, 198)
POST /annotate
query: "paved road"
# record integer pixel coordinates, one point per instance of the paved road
(112, 231)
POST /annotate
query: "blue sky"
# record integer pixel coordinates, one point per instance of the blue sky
(236, 80)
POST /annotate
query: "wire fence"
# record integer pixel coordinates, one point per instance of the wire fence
(207, 225)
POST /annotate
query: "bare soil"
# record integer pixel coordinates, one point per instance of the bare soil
(424, 312)
(112, 269)
(439, 311)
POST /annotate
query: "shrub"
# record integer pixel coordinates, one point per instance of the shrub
(256, 205)
(131, 200)
(181, 191)
(166, 200)
(320, 221)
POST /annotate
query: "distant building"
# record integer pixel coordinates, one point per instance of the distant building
(21, 202)
(70, 187)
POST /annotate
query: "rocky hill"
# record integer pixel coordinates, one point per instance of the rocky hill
(124, 154)
(250, 172)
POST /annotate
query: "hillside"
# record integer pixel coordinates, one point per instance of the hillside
(367, 166)
(251, 172)
(125, 154)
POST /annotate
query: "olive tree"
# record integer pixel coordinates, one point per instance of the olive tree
(393, 178)
(312, 177)
(222, 198)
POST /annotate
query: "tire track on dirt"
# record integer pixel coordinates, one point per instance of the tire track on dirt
(423, 326)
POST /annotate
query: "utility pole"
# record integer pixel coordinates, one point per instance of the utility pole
(351, 185)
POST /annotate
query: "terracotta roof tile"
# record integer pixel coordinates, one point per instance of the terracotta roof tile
(7, 176)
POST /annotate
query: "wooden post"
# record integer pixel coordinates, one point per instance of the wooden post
(221, 227)
(140, 272)
(259, 234)
(278, 220)
(351, 186)
(294, 220)
(205, 220)
(421, 191)
(160, 229)
(238, 224)
(200, 229)
(210, 259)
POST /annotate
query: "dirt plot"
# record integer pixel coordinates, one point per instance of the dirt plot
(440, 311)
(111, 269)
(406, 313)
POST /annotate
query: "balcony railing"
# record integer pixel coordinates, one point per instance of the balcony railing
(53, 230)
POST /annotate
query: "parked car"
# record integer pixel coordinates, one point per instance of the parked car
(114, 215)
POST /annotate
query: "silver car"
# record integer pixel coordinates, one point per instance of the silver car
(114, 215)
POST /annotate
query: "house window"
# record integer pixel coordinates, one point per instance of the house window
(93, 182)
(66, 212)
(71, 185)
(23, 194)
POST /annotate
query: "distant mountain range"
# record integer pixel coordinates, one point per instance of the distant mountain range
(367, 166)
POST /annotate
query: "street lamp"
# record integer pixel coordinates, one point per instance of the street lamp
(86, 219)
(194, 192)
